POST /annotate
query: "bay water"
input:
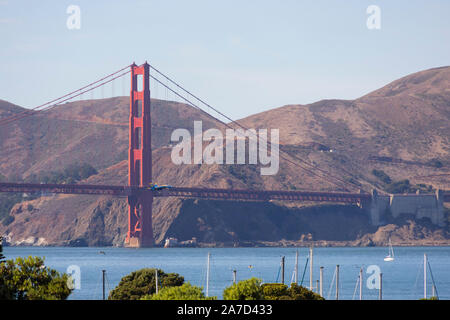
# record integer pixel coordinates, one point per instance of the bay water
(402, 279)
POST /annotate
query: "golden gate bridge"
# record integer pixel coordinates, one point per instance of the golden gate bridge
(139, 195)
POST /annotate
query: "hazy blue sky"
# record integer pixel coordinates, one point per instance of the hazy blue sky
(243, 57)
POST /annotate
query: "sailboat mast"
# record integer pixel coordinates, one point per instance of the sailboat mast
(380, 292)
(207, 275)
(103, 284)
(321, 281)
(360, 283)
(337, 282)
(424, 275)
(311, 268)
(392, 249)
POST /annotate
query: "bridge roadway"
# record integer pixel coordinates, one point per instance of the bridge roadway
(204, 193)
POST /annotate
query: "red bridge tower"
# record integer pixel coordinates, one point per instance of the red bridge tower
(140, 233)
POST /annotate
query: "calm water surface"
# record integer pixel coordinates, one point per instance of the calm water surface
(402, 279)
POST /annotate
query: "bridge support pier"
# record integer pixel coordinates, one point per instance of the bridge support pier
(140, 226)
(140, 233)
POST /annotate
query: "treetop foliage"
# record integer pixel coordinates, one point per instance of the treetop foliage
(29, 279)
(183, 292)
(253, 289)
(249, 289)
(141, 283)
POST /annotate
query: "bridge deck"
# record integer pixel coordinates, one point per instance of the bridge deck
(203, 193)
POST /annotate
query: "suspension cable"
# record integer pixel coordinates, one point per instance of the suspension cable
(53, 102)
(229, 126)
(243, 127)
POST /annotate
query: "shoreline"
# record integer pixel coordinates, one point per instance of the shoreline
(273, 244)
(326, 244)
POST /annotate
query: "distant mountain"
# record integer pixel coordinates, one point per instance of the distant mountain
(407, 120)
(77, 131)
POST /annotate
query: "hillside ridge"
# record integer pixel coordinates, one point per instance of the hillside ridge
(406, 120)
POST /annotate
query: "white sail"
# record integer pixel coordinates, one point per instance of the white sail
(390, 256)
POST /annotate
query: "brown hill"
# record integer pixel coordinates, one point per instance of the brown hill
(76, 132)
(406, 120)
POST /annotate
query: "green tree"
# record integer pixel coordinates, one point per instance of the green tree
(435, 163)
(29, 279)
(297, 292)
(72, 174)
(380, 174)
(276, 291)
(4, 292)
(183, 292)
(430, 298)
(279, 291)
(244, 290)
(86, 170)
(140, 283)
(400, 187)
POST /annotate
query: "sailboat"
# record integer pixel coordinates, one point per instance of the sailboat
(390, 256)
